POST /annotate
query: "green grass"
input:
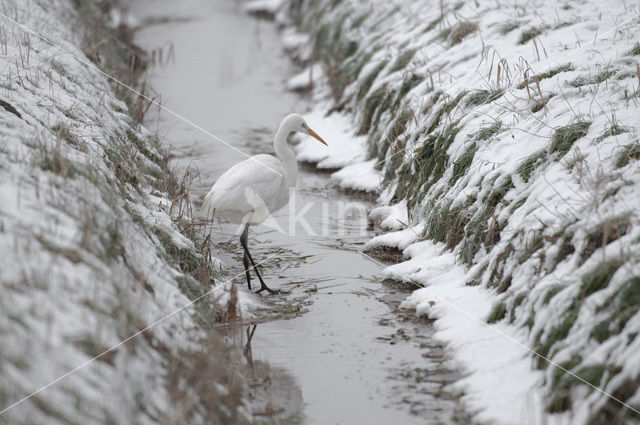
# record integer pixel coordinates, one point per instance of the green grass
(408, 84)
(636, 50)
(432, 101)
(507, 27)
(531, 246)
(397, 129)
(629, 296)
(339, 55)
(592, 374)
(448, 106)
(498, 313)
(185, 259)
(564, 137)
(403, 60)
(530, 321)
(599, 277)
(433, 24)
(517, 301)
(528, 166)
(444, 34)
(562, 25)
(613, 130)
(342, 72)
(517, 204)
(371, 104)
(622, 306)
(427, 166)
(565, 250)
(551, 293)
(601, 332)
(432, 155)
(350, 48)
(498, 194)
(366, 84)
(628, 154)
(544, 75)
(356, 23)
(446, 224)
(486, 133)
(612, 412)
(482, 230)
(563, 382)
(559, 332)
(496, 278)
(600, 77)
(529, 34)
(463, 163)
(480, 97)
(557, 374)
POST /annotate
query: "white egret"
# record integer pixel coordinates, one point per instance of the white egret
(253, 189)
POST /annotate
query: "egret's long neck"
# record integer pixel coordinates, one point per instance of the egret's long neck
(286, 155)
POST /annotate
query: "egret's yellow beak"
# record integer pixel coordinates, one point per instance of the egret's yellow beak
(315, 135)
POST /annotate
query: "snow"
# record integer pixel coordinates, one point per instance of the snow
(565, 198)
(293, 40)
(343, 150)
(400, 239)
(461, 311)
(360, 176)
(297, 45)
(342, 147)
(303, 81)
(83, 265)
(269, 7)
(391, 217)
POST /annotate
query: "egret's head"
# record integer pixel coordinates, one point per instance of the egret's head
(295, 122)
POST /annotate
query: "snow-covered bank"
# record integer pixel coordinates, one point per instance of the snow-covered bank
(348, 154)
(90, 250)
(512, 137)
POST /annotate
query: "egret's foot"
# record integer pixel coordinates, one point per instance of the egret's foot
(269, 290)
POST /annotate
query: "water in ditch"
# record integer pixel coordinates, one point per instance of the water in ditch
(337, 331)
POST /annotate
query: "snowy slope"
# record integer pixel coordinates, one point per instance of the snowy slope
(89, 253)
(511, 133)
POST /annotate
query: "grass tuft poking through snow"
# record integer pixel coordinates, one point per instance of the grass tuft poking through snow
(564, 137)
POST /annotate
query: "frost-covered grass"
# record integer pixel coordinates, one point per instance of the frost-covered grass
(510, 132)
(96, 241)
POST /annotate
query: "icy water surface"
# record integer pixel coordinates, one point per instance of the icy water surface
(355, 359)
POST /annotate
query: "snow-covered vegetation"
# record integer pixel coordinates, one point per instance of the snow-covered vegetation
(503, 138)
(92, 245)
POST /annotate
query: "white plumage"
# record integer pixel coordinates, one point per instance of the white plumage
(264, 175)
(253, 189)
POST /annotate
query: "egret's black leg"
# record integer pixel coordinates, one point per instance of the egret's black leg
(243, 242)
(247, 266)
(245, 259)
